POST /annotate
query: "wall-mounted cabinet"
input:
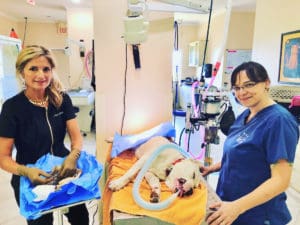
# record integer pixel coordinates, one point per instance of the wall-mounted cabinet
(196, 53)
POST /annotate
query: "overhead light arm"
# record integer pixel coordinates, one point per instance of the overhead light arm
(197, 6)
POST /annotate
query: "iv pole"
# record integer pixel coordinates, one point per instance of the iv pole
(211, 125)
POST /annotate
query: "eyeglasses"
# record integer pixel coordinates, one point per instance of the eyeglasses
(245, 87)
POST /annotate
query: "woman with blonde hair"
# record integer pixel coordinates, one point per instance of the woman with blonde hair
(35, 122)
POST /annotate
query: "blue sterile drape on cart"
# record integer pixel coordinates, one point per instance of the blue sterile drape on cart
(83, 188)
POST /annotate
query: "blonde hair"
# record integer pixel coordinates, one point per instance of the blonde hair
(55, 89)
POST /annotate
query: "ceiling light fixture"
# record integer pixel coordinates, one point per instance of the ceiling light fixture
(75, 1)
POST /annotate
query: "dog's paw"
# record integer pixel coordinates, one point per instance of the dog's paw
(118, 184)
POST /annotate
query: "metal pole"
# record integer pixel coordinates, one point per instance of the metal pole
(60, 217)
(208, 159)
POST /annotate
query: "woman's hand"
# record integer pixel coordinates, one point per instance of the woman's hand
(223, 213)
(206, 170)
(35, 175)
(69, 166)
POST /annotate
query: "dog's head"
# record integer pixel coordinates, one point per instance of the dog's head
(184, 176)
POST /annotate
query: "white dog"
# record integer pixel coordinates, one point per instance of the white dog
(179, 173)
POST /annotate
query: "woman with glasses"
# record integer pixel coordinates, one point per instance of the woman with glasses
(35, 122)
(259, 151)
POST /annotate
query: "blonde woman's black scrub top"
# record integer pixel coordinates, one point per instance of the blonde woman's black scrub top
(32, 128)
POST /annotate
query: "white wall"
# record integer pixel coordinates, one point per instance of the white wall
(273, 17)
(6, 24)
(149, 95)
(187, 33)
(239, 36)
(80, 26)
(42, 34)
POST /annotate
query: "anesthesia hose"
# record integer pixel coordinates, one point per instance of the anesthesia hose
(136, 186)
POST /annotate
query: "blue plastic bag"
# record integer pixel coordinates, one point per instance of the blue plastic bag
(83, 188)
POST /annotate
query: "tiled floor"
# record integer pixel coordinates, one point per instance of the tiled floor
(9, 211)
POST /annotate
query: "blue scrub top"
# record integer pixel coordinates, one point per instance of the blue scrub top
(249, 150)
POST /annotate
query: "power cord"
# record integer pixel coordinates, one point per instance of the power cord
(125, 87)
(207, 36)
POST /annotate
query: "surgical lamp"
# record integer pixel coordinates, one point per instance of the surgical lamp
(135, 30)
(136, 27)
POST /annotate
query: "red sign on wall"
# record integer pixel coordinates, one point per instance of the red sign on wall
(62, 28)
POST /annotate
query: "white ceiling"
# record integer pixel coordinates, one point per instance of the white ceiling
(55, 10)
(42, 11)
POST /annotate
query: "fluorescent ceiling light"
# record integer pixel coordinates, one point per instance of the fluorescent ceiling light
(75, 1)
(186, 6)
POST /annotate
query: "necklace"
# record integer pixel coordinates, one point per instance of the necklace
(41, 103)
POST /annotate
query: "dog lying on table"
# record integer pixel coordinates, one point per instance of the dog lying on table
(179, 173)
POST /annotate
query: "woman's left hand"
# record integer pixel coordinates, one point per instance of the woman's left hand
(69, 166)
(224, 213)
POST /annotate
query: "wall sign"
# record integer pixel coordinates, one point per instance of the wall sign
(235, 57)
(62, 28)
